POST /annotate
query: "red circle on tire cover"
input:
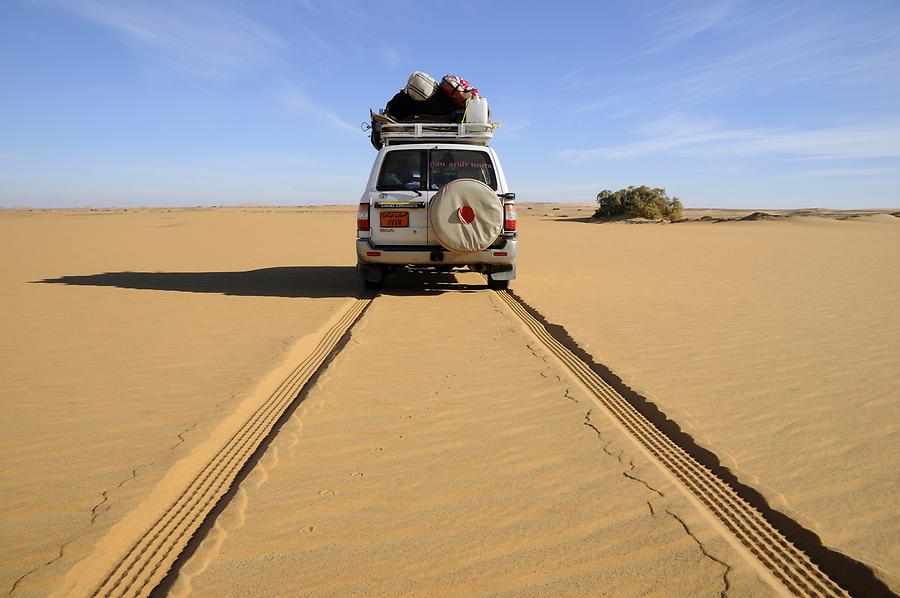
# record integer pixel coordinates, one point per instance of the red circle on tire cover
(466, 214)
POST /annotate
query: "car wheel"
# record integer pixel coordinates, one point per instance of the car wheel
(497, 285)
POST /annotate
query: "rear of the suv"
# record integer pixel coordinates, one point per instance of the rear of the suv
(397, 224)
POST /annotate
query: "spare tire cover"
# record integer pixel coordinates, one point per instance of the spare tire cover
(459, 201)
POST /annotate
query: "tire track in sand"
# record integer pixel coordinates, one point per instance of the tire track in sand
(144, 564)
(790, 566)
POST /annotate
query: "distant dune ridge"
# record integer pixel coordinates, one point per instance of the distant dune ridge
(443, 450)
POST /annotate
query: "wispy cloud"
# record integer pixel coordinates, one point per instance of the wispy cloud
(820, 52)
(839, 172)
(677, 22)
(577, 79)
(151, 171)
(686, 137)
(570, 76)
(280, 159)
(308, 5)
(514, 128)
(296, 100)
(392, 57)
(209, 40)
(768, 51)
(670, 25)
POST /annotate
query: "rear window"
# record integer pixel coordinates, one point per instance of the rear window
(445, 165)
(402, 170)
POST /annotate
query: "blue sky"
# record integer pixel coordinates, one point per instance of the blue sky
(729, 104)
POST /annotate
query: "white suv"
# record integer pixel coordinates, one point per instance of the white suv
(436, 206)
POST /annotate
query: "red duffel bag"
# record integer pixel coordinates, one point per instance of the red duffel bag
(459, 90)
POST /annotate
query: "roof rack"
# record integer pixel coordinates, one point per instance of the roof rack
(474, 133)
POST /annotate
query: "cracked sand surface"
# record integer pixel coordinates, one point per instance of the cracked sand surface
(106, 382)
(742, 331)
(488, 478)
(628, 473)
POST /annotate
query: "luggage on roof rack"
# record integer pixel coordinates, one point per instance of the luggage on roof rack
(402, 106)
(420, 86)
(424, 111)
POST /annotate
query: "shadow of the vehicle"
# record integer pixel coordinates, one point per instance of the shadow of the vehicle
(428, 283)
(289, 281)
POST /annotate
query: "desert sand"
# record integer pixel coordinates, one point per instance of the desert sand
(774, 343)
(461, 466)
(442, 450)
(104, 388)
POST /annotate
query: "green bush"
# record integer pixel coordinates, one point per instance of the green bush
(638, 202)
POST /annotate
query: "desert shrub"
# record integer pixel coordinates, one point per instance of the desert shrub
(638, 202)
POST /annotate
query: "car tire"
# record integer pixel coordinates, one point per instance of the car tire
(372, 285)
(497, 285)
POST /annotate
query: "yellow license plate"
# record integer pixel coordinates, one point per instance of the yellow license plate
(394, 219)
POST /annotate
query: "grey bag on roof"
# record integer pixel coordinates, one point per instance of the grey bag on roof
(421, 86)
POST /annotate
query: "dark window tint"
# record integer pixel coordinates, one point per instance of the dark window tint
(402, 170)
(445, 165)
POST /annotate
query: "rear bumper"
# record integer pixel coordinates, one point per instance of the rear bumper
(425, 256)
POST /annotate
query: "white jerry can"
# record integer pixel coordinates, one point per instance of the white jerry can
(477, 111)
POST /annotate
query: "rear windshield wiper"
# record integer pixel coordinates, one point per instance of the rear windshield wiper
(416, 191)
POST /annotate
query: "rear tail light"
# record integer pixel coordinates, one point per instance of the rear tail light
(362, 217)
(509, 217)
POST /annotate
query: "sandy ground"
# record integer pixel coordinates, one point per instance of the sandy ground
(460, 467)
(773, 343)
(104, 387)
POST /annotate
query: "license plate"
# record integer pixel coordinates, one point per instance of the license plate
(394, 219)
